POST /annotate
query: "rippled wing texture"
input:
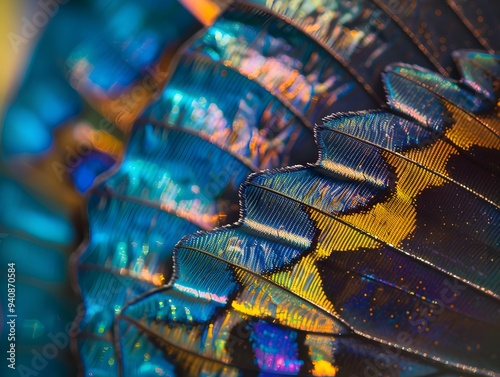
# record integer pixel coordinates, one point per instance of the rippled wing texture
(187, 157)
(244, 97)
(384, 241)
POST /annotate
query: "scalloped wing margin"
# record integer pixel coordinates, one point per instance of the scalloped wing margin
(381, 255)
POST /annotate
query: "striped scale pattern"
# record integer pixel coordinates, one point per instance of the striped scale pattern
(225, 114)
(378, 257)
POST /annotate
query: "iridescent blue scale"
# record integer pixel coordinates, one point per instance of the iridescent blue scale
(379, 259)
